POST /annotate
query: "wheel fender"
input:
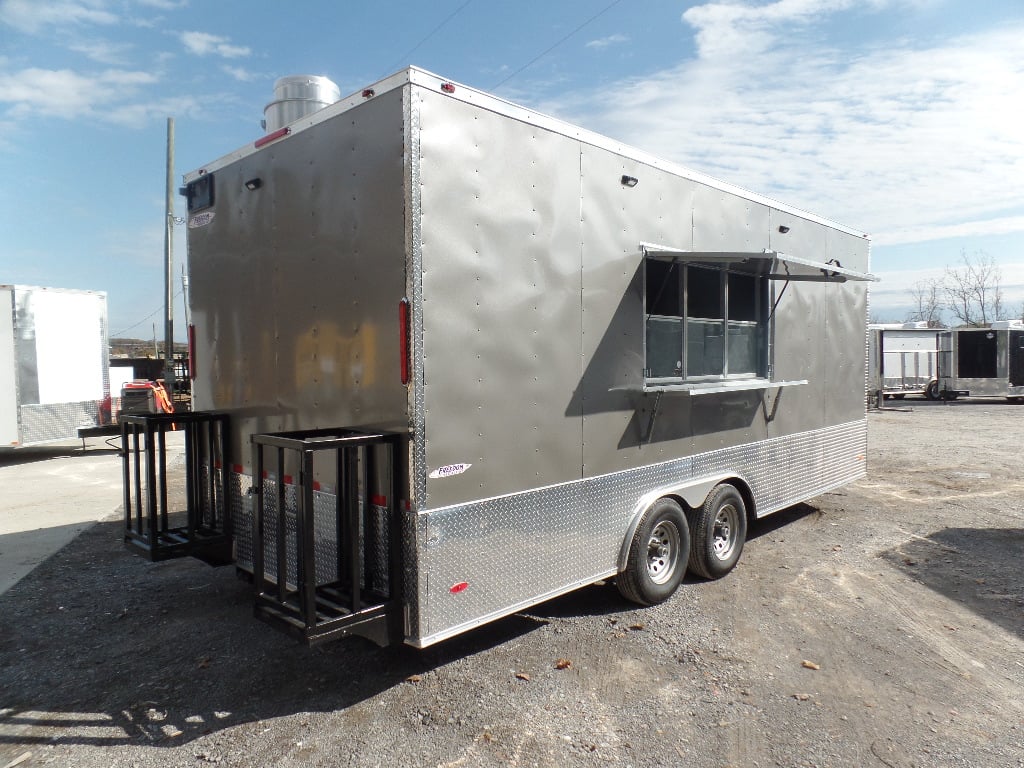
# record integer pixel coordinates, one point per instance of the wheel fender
(693, 494)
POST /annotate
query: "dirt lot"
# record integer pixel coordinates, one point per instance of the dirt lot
(881, 625)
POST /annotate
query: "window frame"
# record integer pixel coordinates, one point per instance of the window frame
(769, 266)
(685, 319)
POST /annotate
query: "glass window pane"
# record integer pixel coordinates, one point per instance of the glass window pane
(704, 293)
(664, 348)
(742, 297)
(742, 348)
(705, 348)
(663, 294)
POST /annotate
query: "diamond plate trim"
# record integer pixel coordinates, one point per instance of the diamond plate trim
(417, 410)
(516, 550)
(57, 421)
(325, 544)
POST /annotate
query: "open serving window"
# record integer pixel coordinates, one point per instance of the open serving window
(708, 316)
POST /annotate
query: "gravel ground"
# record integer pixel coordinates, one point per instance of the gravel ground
(880, 625)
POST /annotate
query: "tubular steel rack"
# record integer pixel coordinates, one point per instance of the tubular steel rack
(334, 568)
(204, 528)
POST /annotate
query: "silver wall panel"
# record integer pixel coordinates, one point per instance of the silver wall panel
(499, 217)
(726, 222)
(513, 551)
(615, 219)
(804, 238)
(800, 353)
(846, 351)
(296, 285)
(851, 251)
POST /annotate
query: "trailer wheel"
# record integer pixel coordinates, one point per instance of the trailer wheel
(657, 555)
(932, 390)
(719, 530)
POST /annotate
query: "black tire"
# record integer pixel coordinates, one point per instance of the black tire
(932, 390)
(718, 530)
(658, 553)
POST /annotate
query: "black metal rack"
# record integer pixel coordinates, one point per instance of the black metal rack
(358, 592)
(204, 528)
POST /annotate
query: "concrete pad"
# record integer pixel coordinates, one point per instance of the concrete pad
(48, 495)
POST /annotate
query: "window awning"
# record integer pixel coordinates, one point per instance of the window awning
(771, 264)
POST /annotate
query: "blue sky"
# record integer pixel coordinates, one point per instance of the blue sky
(901, 118)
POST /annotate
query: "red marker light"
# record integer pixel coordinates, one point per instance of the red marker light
(462, 586)
(447, 87)
(369, 93)
(262, 140)
(403, 339)
(192, 351)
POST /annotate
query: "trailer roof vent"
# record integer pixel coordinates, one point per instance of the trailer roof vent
(296, 96)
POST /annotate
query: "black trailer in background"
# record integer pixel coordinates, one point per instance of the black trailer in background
(982, 362)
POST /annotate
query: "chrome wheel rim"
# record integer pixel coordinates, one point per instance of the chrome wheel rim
(724, 531)
(662, 550)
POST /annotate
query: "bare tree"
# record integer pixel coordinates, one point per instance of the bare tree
(927, 298)
(973, 290)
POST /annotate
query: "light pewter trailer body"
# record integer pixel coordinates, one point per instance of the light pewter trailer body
(584, 357)
(54, 351)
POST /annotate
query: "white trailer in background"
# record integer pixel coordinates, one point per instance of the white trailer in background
(902, 360)
(53, 364)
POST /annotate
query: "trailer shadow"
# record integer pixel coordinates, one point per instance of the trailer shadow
(33, 454)
(909, 404)
(102, 648)
(980, 568)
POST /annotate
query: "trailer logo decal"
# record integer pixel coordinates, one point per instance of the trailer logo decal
(200, 219)
(449, 470)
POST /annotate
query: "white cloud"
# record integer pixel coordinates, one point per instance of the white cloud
(241, 74)
(164, 5)
(1004, 225)
(729, 28)
(140, 113)
(33, 15)
(205, 44)
(605, 42)
(103, 51)
(67, 94)
(908, 141)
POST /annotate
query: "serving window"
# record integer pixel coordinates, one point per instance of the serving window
(703, 322)
(708, 315)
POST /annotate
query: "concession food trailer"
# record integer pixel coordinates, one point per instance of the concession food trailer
(452, 358)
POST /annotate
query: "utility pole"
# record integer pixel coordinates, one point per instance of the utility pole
(169, 265)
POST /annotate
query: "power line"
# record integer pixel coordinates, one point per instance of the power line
(119, 334)
(405, 56)
(541, 55)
